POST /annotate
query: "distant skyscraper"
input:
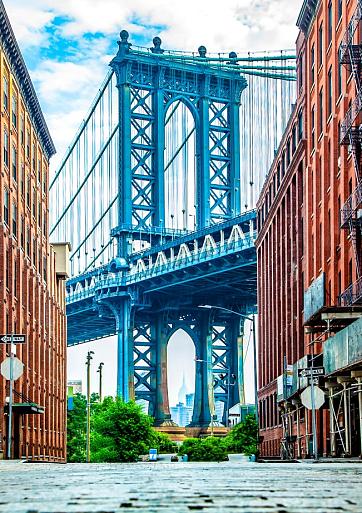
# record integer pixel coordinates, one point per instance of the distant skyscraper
(182, 412)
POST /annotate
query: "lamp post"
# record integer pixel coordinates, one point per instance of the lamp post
(252, 319)
(100, 370)
(89, 358)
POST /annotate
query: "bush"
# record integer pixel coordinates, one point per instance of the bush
(243, 438)
(204, 449)
(121, 431)
(163, 443)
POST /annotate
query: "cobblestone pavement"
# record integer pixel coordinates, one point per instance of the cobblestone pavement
(180, 487)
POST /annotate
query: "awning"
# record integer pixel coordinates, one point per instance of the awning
(26, 408)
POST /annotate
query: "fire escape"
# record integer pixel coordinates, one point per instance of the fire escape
(351, 136)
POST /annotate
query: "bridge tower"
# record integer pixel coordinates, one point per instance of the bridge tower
(150, 193)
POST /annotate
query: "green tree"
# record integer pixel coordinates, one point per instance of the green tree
(243, 438)
(77, 426)
(120, 431)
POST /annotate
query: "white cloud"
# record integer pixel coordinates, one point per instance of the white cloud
(66, 89)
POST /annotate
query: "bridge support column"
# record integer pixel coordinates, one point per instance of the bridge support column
(235, 375)
(125, 379)
(162, 409)
(204, 393)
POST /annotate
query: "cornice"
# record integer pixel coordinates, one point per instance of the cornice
(307, 14)
(19, 70)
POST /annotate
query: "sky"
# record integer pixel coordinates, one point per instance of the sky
(67, 45)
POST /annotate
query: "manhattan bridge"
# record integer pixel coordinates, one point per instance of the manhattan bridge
(156, 196)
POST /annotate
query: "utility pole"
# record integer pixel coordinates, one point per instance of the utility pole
(11, 383)
(89, 358)
(100, 370)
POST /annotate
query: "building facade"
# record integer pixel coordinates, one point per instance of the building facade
(280, 260)
(31, 271)
(322, 323)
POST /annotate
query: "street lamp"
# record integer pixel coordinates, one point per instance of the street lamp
(252, 319)
(89, 358)
(100, 370)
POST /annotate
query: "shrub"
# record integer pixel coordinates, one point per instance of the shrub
(121, 431)
(243, 438)
(163, 443)
(204, 449)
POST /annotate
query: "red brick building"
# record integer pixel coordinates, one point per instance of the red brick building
(31, 286)
(304, 253)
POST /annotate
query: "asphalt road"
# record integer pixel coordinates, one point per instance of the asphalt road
(180, 487)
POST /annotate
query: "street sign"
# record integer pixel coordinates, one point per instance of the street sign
(306, 397)
(315, 380)
(14, 339)
(18, 368)
(312, 371)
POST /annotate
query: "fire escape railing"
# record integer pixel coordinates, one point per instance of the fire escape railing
(350, 55)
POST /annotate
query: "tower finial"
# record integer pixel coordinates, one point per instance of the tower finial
(123, 44)
(156, 45)
(202, 51)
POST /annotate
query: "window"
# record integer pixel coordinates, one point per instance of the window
(6, 93)
(7, 277)
(340, 9)
(39, 170)
(6, 206)
(300, 72)
(312, 64)
(15, 272)
(28, 198)
(300, 125)
(22, 179)
(44, 181)
(15, 220)
(28, 242)
(34, 202)
(22, 130)
(321, 113)
(14, 111)
(313, 126)
(22, 227)
(34, 156)
(39, 215)
(28, 144)
(44, 224)
(6, 148)
(14, 163)
(34, 251)
(320, 45)
(330, 22)
(294, 139)
(283, 164)
(330, 91)
(288, 152)
(339, 78)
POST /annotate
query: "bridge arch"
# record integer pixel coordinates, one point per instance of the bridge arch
(180, 164)
(181, 355)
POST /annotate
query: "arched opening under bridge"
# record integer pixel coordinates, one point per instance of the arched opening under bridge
(180, 167)
(181, 376)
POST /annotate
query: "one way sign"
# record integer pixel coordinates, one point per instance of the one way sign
(314, 371)
(15, 339)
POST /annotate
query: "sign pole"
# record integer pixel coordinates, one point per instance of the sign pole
(11, 381)
(314, 426)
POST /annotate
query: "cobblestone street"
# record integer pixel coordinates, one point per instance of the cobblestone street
(180, 487)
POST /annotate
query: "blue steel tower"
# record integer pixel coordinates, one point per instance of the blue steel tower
(150, 193)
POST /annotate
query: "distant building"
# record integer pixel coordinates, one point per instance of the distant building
(181, 414)
(238, 413)
(74, 387)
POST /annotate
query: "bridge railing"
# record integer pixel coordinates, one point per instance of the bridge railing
(195, 257)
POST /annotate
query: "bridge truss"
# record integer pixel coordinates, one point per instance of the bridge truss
(150, 196)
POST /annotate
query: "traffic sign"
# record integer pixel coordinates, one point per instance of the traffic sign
(315, 380)
(311, 371)
(306, 397)
(14, 339)
(18, 368)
